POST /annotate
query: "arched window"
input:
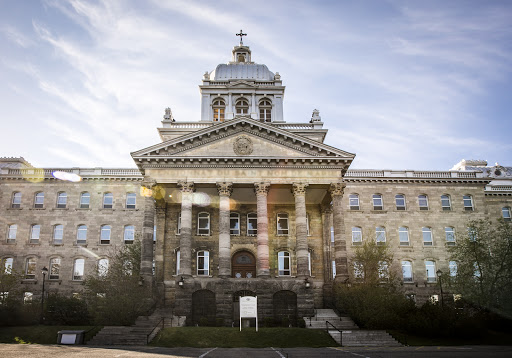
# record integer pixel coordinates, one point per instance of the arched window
(39, 200)
(423, 202)
(105, 234)
(242, 106)
(430, 267)
(427, 236)
(30, 268)
(403, 235)
(357, 236)
(108, 201)
(353, 201)
(62, 200)
(450, 235)
(407, 271)
(78, 269)
(35, 231)
(102, 267)
(11, 233)
(54, 268)
(81, 235)
(131, 199)
(203, 263)
(400, 201)
(265, 110)
(506, 213)
(377, 202)
(85, 200)
(203, 224)
(282, 224)
(234, 224)
(446, 202)
(283, 262)
(58, 234)
(468, 202)
(252, 224)
(380, 235)
(219, 107)
(16, 200)
(129, 234)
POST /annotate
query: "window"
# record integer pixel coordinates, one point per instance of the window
(234, 224)
(8, 261)
(154, 234)
(383, 270)
(468, 202)
(218, 110)
(430, 267)
(357, 236)
(35, 230)
(203, 263)
(81, 235)
(446, 202)
(407, 271)
(427, 236)
(377, 202)
(353, 201)
(506, 213)
(16, 200)
(282, 224)
(400, 201)
(472, 234)
(242, 106)
(309, 263)
(307, 224)
(203, 224)
(358, 271)
(108, 201)
(39, 200)
(58, 234)
(102, 267)
(129, 234)
(476, 270)
(452, 266)
(11, 233)
(131, 200)
(265, 111)
(283, 262)
(27, 297)
(450, 235)
(380, 235)
(423, 202)
(178, 230)
(105, 234)
(252, 224)
(62, 200)
(78, 269)
(403, 235)
(333, 265)
(178, 263)
(85, 200)
(30, 268)
(332, 234)
(54, 268)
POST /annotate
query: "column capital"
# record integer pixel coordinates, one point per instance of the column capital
(186, 186)
(326, 209)
(337, 188)
(225, 188)
(261, 188)
(148, 183)
(299, 188)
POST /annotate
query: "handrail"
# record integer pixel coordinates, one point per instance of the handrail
(327, 323)
(150, 333)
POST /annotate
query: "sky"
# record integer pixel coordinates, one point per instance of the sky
(402, 84)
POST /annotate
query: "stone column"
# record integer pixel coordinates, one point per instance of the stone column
(187, 188)
(146, 262)
(253, 114)
(301, 246)
(263, 266)
(225, 190)
(340, 245)
(326, 224)
(161, 211)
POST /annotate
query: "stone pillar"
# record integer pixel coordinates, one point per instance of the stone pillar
(254, 115)
(187, 188)
(301, 246)
(340, 245)
(224, 236)
(263, 266)
(326, 225)
(161, 211)
(146, 261)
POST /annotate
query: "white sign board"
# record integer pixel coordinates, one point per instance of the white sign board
(248, 309)
(68, 339)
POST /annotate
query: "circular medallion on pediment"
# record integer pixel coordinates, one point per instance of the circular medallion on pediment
(243, 145)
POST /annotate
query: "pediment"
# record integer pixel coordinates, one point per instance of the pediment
(241, 83)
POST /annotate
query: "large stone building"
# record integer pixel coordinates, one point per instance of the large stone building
(240, 203)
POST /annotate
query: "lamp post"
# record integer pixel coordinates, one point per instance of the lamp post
(44, 271)
(439, 274)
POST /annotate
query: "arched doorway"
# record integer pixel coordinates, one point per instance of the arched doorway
(243, 265)
(236, 304)
(285, 306)
(203, 306)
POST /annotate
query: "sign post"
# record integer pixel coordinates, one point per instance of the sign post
(248, 309)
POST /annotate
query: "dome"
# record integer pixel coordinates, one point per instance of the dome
(241, 71)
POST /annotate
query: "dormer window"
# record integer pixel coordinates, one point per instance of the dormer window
(242, 106)
(241, 57)
(219, 107)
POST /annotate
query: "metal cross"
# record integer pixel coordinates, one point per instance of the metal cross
(241, 34)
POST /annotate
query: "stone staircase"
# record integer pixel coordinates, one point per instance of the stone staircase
(130, 335)
(352, 336)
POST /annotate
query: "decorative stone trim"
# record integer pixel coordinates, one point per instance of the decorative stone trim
(243, 145)
(225, 189)
(299, 188)
(261, 188)
(186, 187)
(337, 188)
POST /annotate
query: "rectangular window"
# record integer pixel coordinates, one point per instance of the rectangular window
(178, 262)
(307, 225)
(332, 234)
(203, 224)
(252, 224)
(30, 269)
(78, 269)
(62, 200)
(11, 234)
(333, 265)
(357, 236)
(131, 199)
(178, 232)
(16, 200)
(452, 265)
(58, 234)
(203, 263)
(85, 200)
(468, 202)
(81, 235)
(353, 201)
(400, 202)
(234, 224)
(283, 259)
(450, 236)
(407, 271)
(403, 235)
(108, 201)
(430, 267)
(506, 213)
(54, 269)
(377, 202)
(446, 203)
(129, 234)
(34, 234)
(8, 265)
(105, 234)
(380, 235)
(102, 267)
(423, 202)
(282, 224)
(154, 234)
(39, 200)
(427, 236)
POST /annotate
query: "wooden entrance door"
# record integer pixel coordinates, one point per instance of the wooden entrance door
(243, 265)
(203, 306)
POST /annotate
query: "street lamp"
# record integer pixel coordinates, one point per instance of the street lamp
(439, 274)
(44, 271)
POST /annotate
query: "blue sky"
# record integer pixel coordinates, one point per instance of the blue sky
(403, 84)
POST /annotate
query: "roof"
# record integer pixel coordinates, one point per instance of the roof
(239, 70)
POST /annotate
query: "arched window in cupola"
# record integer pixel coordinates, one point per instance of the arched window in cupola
(219, 108)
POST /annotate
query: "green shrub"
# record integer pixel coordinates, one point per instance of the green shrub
(203, 322)
(61, 310)
(301, 323)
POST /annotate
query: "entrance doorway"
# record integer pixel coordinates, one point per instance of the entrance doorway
(243, 265)
(204, 308)
(285, 307)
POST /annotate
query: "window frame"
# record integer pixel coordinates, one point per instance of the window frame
(402, 207)
(423, 202)
(58, 234)
(380, 235)
(205, 266)
(16, 200)
(30, 268)
(12, 228)
(203, 231)
(250, 219)
(284, 263)
(280, 218)
(178, 224)
(427, 230)
(79, 239)
(242, 104)
(85, 195)
(7, 263)
(468, 198)
(80, 264)
(54, 268)
(33, 229)
(101, 267)
(401, 230)
(62, 200)
(105, 228)
(506, 213)
(265, 109)
(131, 197)
(108, 196)
(219, 110)
(126, 234)
(178, 262)
(39, 200)
(357, 232)
(234, 218)
(446, 199)
(430, 274)
(452, 268)
(375, 201)
(351, 203)
(407, 264)
(447, 231)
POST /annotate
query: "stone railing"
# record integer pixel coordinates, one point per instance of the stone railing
(499, 187)
(365, 173)
(294, 125)
(83, 172)
(421, 174)
(188, 125)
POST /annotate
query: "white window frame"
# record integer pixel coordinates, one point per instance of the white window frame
(234, 218)
(333, 265)
(203, 268)
(353, 202)
(102, 266)
(131, 200)
(16, 200)
(383, 270)
(446, 202)
(81, 234)
(449, 233)
(35, 233)
(85, 200)
(468, 202)
(54, 271)
(108, 201)
(505, 212)
(12, 232)
(242, 106)
(58, 234)
(105, 234)
(380, 235)
(423, 202)
(78, 269)
(30, 268)
(309, 263)
(62, 200)
(407, 272)
(426, 232)
(357, 235)
(284, 263)
(178, 262)
(402, 206)
(403, 233)
(178, 229)
(205, 229)
(265, 106)
(39, 200)
(219, 110)
(378, 203)
(452, 268)
(307, 225)
(430, 270)
(7, 263)
(282, 224)
(129, 234)
(252, 224)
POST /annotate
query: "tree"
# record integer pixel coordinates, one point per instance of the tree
(483, 256)
(372, 263)
(11, 303)
(116, 294)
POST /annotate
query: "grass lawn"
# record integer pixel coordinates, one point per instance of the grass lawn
(227, 337)
(490, 338)
(40, 334)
